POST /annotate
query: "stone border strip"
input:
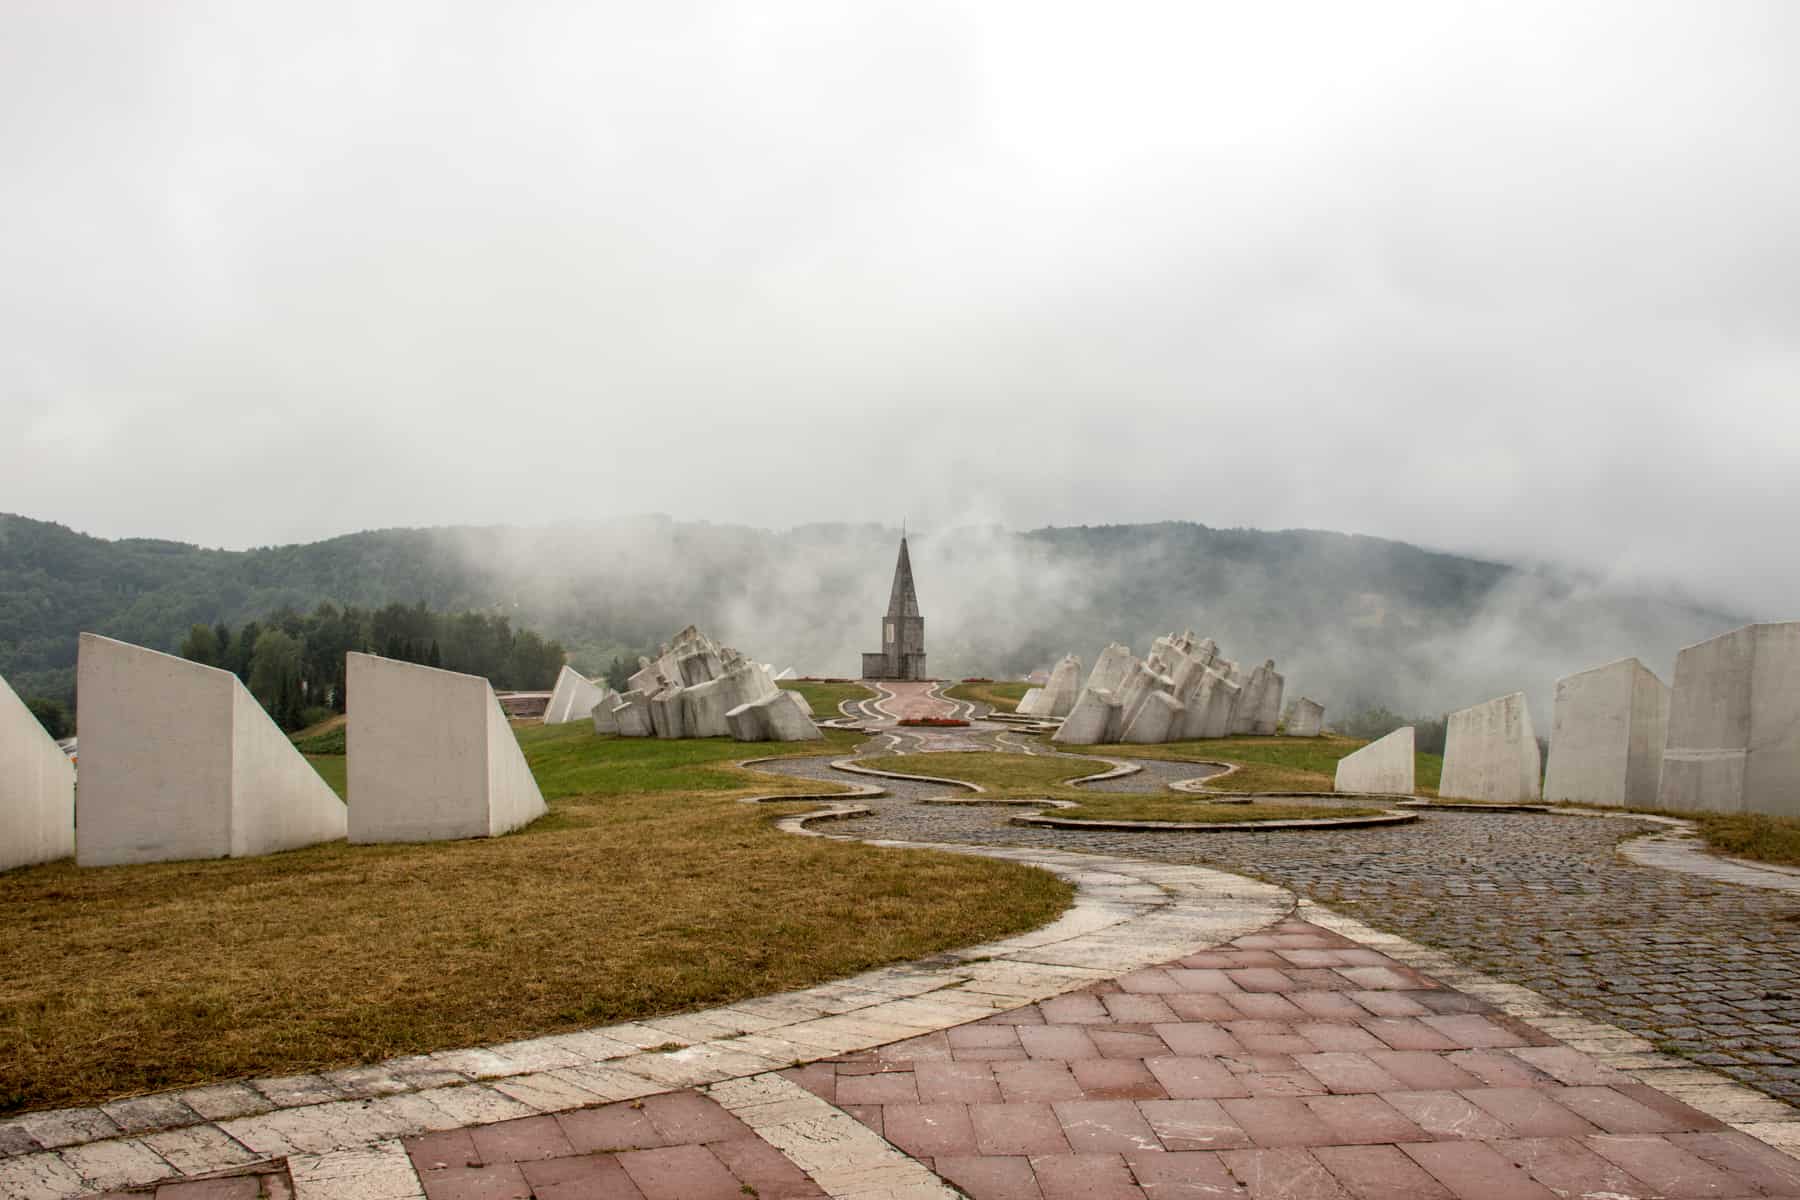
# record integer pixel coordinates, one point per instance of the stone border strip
(1682, 849)
(1743, 1108)
(842, 1155)
(1287, 825)
(849, 765)
(1479, 806)
(1127, 914)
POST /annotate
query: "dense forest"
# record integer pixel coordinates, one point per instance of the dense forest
(1355, 622)
(294, 664)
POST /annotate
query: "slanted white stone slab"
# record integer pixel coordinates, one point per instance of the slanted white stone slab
(606, 718)
(1156, 717)
(1095, 714)
(37, 789)
(179, 761)
(1211, 712)
(431, 756)
(633, 714)
(1027, 705)
(1308, 718)
(1383, 766)
(1111, 668)
(1734, 724)
(777, 718)
(1607, 735)
(574, 698)
(1491, 753)
(1058, 696)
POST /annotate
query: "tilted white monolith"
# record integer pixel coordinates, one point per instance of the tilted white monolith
(37, 789)
(1383, 766)
(1491, 753)
(1734, 724)
(431, 756)
(179, 761)
(1606, 736)
(573, 699)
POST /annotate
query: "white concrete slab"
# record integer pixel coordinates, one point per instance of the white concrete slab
(1383, 766)
(1734, 724)
(574, 698)
(179, 761)
(1607, 735)
(37, 789)
(1308, 718)
(1491, 753)
(431, 756)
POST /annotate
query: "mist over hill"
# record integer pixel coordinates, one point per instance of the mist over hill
(1351, 621)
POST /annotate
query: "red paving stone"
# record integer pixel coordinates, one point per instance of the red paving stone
(1291, 1065)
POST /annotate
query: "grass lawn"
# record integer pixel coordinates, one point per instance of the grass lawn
(825, 697)
(1271, 764)
(646, 890)
(1751, 835)
(1025, 775)
(1004, 695)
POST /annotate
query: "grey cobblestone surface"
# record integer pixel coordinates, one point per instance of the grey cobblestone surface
(1704, 969)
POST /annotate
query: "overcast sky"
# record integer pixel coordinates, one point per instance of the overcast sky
(1519, 279)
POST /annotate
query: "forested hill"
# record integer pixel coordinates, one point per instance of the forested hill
(1350, 620)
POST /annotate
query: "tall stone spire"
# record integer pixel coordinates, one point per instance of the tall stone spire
(903, 601)
(902, 653)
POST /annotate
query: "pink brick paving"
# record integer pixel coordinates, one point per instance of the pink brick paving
(1291, 1064)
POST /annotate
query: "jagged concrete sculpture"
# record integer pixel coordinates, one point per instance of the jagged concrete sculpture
(1183, 690)
(694, 685)
(431, 757)
(1384, 766)
(1307, 720)
(1734, 724)
(1606, 736)
(37, 789)
(1491, 753)
(179, 761)
(1027, 705)
(1056, 698)
(574, 698)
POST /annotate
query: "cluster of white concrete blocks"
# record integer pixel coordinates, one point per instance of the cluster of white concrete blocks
(1724, 738)
(179, 761)
(695, 687)
(1056, 696)
(1182, 691)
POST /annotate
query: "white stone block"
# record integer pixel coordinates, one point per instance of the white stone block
(1259, 705)
(1214, 708)
(1110, 669)
(788, 721)
(633, 714)
(37, 789)
(1091, 722)
(574, 698)
(1734, 724)
(1156, 717)
(1607, 735)
(1027, 705)
(1491, 753)
(1308, 718)
(431, 756)
(1058, 696)
(1383, 766)
(605, 716)
(666, 714)
(179, 761)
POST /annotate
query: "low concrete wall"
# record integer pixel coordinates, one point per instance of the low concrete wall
(431, 757)
(37, 789)
(179, 761)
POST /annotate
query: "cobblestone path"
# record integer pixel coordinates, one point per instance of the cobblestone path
(1706, 970)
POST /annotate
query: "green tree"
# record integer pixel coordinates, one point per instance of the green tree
(201, 645)
(618, 675)
(53, 715)
(243, 651)
(275, 673)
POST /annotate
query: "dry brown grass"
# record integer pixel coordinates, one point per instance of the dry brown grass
(614, 907)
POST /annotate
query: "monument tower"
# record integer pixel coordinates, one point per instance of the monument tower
(902, 630)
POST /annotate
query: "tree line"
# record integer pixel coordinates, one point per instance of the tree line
(294, 664)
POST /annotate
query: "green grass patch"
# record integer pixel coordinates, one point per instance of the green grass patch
(825, 697)
(331, 741)
(1004, 695)
(334, 769)
(1754, 836)
(646, 890)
